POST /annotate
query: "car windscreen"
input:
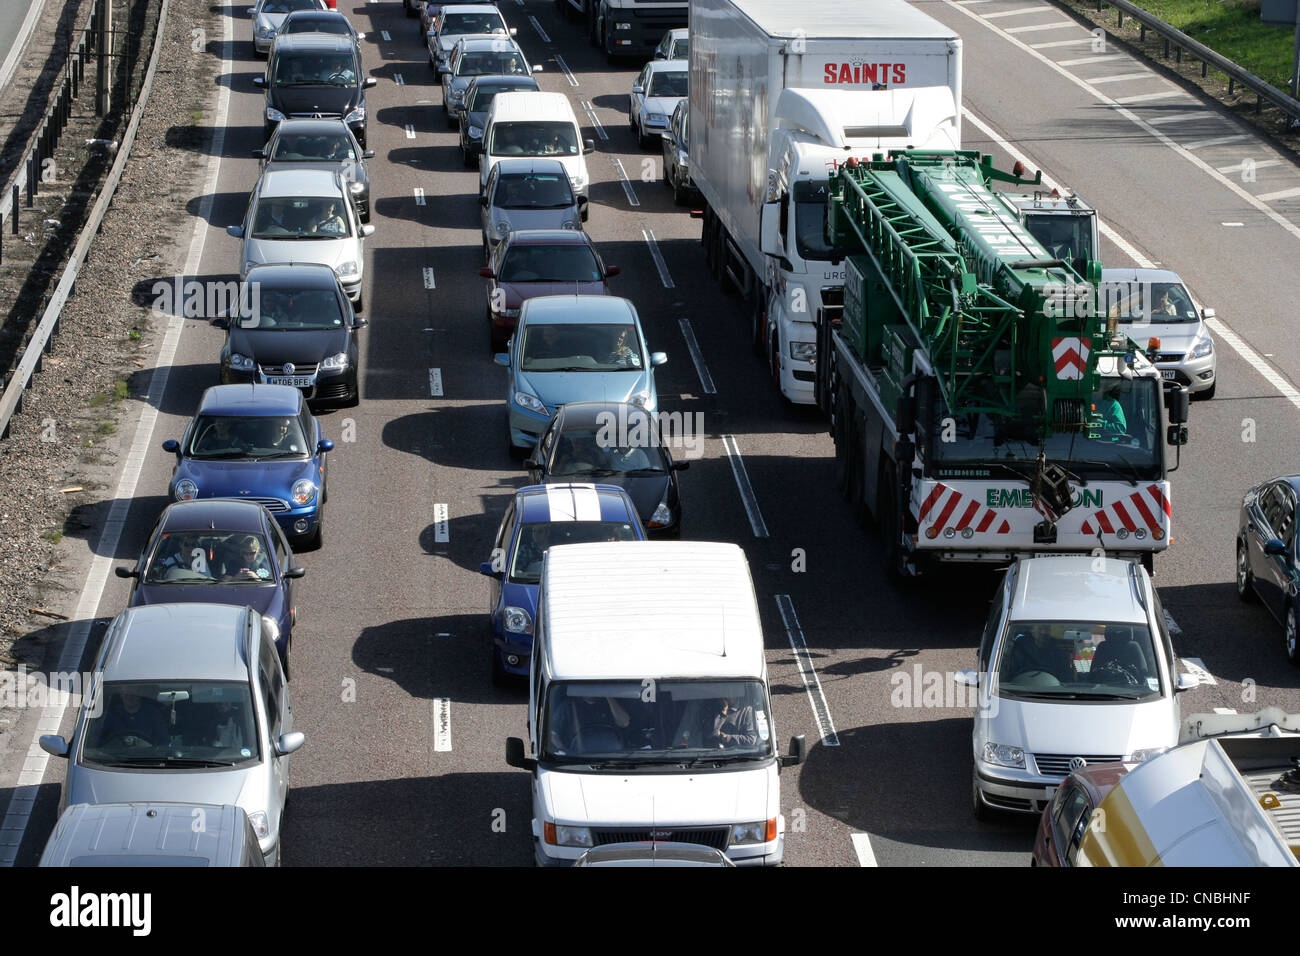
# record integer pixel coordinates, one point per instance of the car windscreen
(704, 722)
(1077, 660)
(210, 557)
(536, 537)
(173, 724)
(485, 92)
(681, 49)
(560, 263)
(581, 348)
(485, 62)
(300, 217)
(533, 191)
(1140, 303)
(558, 138)
(292, 310)
(289, 6)
(335, 25)
(230, 437)
(314, 68)
(314, 147)
(454, 24)
(596, 452)
(667, 83)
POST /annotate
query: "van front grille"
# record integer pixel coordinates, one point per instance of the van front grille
(714, 837)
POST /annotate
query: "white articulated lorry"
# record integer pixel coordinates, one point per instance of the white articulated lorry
(781, 93)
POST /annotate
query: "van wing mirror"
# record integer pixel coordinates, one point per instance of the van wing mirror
(515, 755)
(798, 752)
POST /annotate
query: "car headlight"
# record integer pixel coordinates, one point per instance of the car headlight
(622, 26)
(1004, 756)
(335, 363)
(271, 626)
(358, 115)
(803, 351)
(476, 132)
(518, 621)
(346, 269)
(261, 825)
(641, 399)
(1203, 349)
(570, 224)
(303, 492)
(242, 363)
(265, 30)
(503, 228)
(1140, 756)
(273, 115)
(662, 517)
(656, 119)
(743, 834)
(186, 490)
(570, 836)
(530, 402)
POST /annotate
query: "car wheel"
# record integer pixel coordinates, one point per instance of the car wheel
(1245, 580)
(981, 810)
(679, 194)
(1292, 654)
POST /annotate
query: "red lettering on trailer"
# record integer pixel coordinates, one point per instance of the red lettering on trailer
(830, 73)
(869, 73)
(900, 70)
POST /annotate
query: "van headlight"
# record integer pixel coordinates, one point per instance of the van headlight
(1203, 349)
(273, 115)
(747, 834)
(1141, 756)
(578, 180)
(557, 834)
(346, 269)
(261, 825)
(518, 621)
(303, 492)
(1003, 755)
(335, 363)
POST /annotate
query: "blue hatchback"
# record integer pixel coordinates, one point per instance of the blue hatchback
(538, 517)
(256, 443)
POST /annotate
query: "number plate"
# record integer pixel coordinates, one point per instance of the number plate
(297, 381)
(1169, 374)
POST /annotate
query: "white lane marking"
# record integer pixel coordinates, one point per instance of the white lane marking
(429, 282)
(1191, 157)
(1171, 624)
(538, 27)
(1121, 77)
(591, 113)
(1225, 334)
(627, 183)
(440, 533)
(435, 383)
(662, 266)
(1224, 710)
(1254, 164)
(1056, 43)
(1038, 27)
(747, 497)
(1145, 97)
(384, 34)
(1196, 667)
(419, 195)
(397, 78)
(1101, 58)
(1280, 194)
(23, 797)
(442, 724)
(692, 346)
(1215, 141)
(862, 847)
(410, 131)
(1232, 223)
(1178, 117)
(821, 710)
(568, 74)
(1016, 13)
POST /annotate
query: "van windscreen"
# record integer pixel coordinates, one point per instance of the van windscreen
(556, 138)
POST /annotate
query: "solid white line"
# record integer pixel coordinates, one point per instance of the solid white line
(662, 266)
(1101, 58)
(1043, 26)
(384, 34)
(1121, 77)
(591, 113)
(1216, 141)
(397, 78)
(1238, 167)
(1145, 97)
(747, 497)
(807, 672)
(1232, 224)
(440, 534)
(410, 131)
(435, 383)
(1255, 360)
(1178, 117)
(1280, 194)
(429, 282)
(627, 184)
(1196, 667)
(692, 346)
(862, 847)
(1015, 13)
(573, 80)
(1056, 43)
(34, 766)
(419, 195)
(538, 27)
(20, 41)
(442, 724)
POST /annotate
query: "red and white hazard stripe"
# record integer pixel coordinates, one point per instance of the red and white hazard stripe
(946, 503)
(1071, 357)
(1141, 509)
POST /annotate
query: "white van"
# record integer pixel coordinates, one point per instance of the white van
(649, 715)
(533, 123)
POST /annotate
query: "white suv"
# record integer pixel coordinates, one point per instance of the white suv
(1076, 667)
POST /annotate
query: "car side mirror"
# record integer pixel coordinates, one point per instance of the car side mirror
(487, 570)
(236, 231)
(361, 36)
(368, 154)
(798, 752)
(502, 359)
(259, 81)
(295, 573)
(487, 273)
(657, 359)
(611, 271)
(588, 146)
(680, 466)
(56, 746)
(638, 89)
(367, 230)
(324, 445)
(289, 742)
(514, 31)
(220, 322)
(515, 755)
(537, 68)
(966, 678)
(359, 322)
(126, 572)
(1186, 682)
(1275, 547)
(368, 82)
(173, 446)
(1207, 314)
(258, 153)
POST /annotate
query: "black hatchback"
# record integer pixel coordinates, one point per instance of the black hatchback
(293, 326)
(315, 76)
(614, 443)
(1266, 553)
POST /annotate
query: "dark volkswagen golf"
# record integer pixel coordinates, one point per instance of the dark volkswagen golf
(1266, 553)
(220, 551)
(294, 326)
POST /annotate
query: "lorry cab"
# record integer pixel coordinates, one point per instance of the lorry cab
(1066, 226)
(649, 713)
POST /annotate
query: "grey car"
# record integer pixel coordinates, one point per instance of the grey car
(188, 705)
(321, 144)
(478, 99)
(153, 834)
(1154, 304)
(479, 56)
(677, 154)
(528, 193)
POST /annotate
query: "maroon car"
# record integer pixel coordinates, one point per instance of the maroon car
(1067, 817)
(535, 262)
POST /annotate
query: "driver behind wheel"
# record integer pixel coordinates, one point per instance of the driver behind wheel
(131, 718)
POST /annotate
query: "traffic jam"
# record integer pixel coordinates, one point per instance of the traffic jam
(552, 619)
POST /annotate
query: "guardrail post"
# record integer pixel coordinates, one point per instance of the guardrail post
(14, 209)
(31, 181)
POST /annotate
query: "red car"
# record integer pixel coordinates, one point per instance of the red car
(534, 262)
(1067, 817)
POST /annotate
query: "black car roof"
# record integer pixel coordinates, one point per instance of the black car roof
(586, 414)
(329, 42)
(302, 275)
(221, 514)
